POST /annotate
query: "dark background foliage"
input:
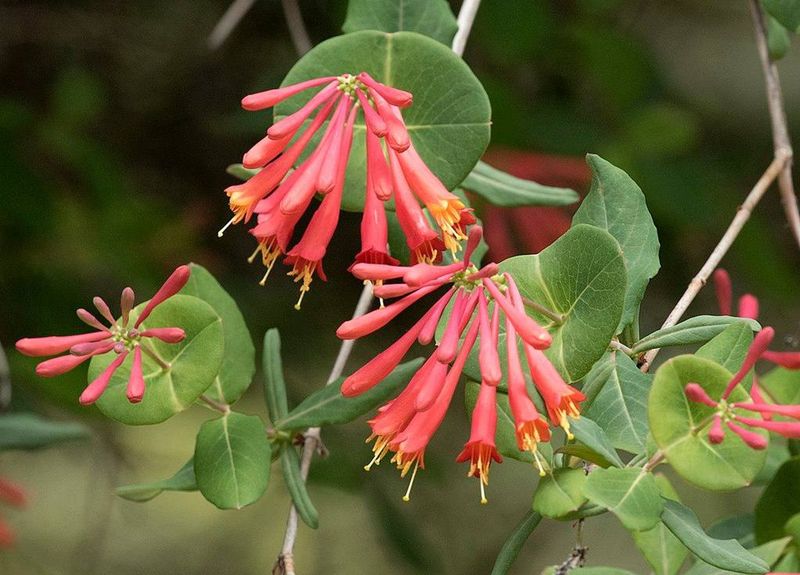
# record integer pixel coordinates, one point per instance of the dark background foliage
(116, 125)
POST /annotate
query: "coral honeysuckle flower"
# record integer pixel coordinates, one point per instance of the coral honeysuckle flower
(13, 495)
(118, 336)
(734, 420)
(285, 186)
(479, 300)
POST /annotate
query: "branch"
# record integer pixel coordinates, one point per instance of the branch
(745, 210)
(230, 19)
(466, 16)
(777, 114)
(297, 29)
(311, 442)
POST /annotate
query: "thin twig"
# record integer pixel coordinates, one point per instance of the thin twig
(230, 19)
(466, 16)
(311, 442)
(297, 29)
(777, 114)
(223, 408)
(617, 345)
(736, 225)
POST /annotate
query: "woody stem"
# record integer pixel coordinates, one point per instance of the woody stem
(311, 439)
(777, 114)
(735, 227)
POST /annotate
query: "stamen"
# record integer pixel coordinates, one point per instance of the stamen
(407, 496)
(484, 501)
(539, 461)
(563, 421)
(232, 221)
(252, 257)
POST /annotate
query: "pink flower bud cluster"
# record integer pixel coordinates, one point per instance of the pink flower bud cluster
(729, 414)
(279, 197)
(13, 495)
(117, 336)
(479, 300)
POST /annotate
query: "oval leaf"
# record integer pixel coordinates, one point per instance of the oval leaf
(581, 277)
(559, 494)
(698, 329)
(630, 494)
(31, 431)
(673, 419)
(592, 436)
(502, 189)
(232, 460)
(663, 551)
(194, 364)
(725, 554)
(779, 502)
(431, 18)
(616, 204)
(328, 406)
(183, 480)
(239, 358)
(620, 407)
(449, 121)
(274, 384)
(290, 466)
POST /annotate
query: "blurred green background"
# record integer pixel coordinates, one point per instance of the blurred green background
(116, 125)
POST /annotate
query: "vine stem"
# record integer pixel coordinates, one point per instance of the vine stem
(736, 225)
(311, 439)
(777, 114)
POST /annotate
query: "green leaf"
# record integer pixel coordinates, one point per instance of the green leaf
(327, 406)
(662, 550)
(183, 480)
(739, 527)
(239, 357)
(582, 452)
(290, 465)
(782, 385)
(769, 553)
(620, 407)
(513, 545)
(778, 39)
(699, 329)
(581, 277)
(729, 348)
(194, 364)
(31, 431)
(792, 527)
(559, 494)
(725, 554)
(274, 384)
(616, 204)
(631, 494)
(786, 12)
(673, 419)
(432, 18)
(232, 460)
(779, 502)
(449, 121)
(592, 435)
(502, 189)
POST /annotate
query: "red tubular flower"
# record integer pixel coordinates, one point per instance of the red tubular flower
(529, 427)
(118, 337)
(530, 331)
(280, 197)
(751, 438)
(748, 306)
(716, 434)
(787, 359)
(480, 450)
(13, 495)
(488, 358)
(758, 347)
(697, 394)
(724, 290)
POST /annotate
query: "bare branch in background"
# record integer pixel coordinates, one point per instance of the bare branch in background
(233, 15)
(777, 114)
(297, 29)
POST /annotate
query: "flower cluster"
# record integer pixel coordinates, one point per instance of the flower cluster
(478, 300)
(13, 495)
(279, 196)
(734, 420)
(118, 336)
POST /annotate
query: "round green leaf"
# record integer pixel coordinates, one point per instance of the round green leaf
(232, 460)
(239, 356)
(581, 277)
(673, 419)
(449, 121)
(429, 17)
(779, 502)
(559, 495)
(631, 494)
(194, 364)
